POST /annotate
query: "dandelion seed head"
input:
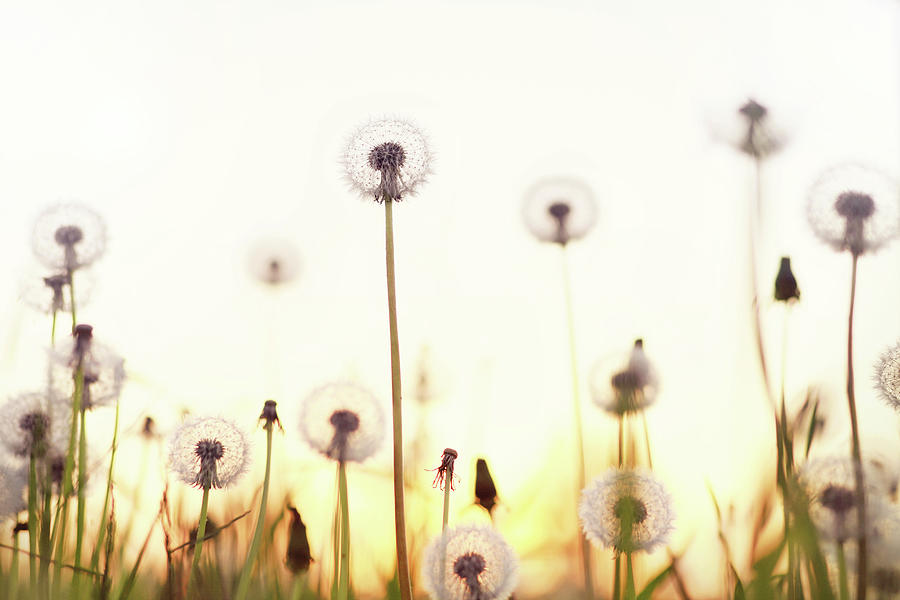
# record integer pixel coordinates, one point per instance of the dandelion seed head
(469, 562)
(103, 370)
(52, 293)
(855, 208)
(68, 236)
(887, 376)
(274, 261)
(209, 452)
(343, 421)
(13, 484)
(623, 501)
(485, 489)
(32, 423)
(631, 385)
(559, 209)
(387, 159)
(759, 140)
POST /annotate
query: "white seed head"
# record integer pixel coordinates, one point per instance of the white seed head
(103, 371)
(623, 500)
(13, 484)
(209, 452)
(343, 421)
(470, 562)
(274, 261)
(68, 236)
(35, 423)
(887, 376)
(387, 159)
(627, 385)
(559, 209)
(855, 208)
(48, 293)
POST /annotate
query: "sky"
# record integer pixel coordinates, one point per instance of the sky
(199, 130)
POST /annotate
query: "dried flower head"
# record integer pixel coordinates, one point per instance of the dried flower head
(33, 423)
(887, 376)
(52, 293)
(485, 490)
(559, 209)
(275, 261)
(298, 556)
(343, 421)
(759, 141)
(209, 452)
(785, 283)
(68, 236)
(830, 485)
(269, 414)
(855, 208)
(627, 510)
(13, 483)
(629, 387)
(387, 159)
(469, 562)
(103, 370)
(445, 469)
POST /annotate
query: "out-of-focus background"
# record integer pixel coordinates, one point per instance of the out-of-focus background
(200, 130)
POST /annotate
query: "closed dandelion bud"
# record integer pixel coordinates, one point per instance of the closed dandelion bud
(887, 377)
(485, 490)
(298, 556)
(785, 282)
(469, 562)
(68, 236)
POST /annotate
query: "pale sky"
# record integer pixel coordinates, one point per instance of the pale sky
(196, 130)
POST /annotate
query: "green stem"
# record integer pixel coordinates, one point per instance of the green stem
(842, 572)
(244, 584)
(32, 521)
(617, 578)
(66, 486)
(80, 513)
(399, 510)
(447, 485)
(71, 274)
(343, 591)
(198, 543)
(101, 534)
(13, 580)
(630, 592)
(53, 329)
(299, 586)
(861, 572)
(576, 415)
(45, 545)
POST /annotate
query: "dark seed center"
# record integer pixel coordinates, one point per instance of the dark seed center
(838, 498)
(209, 450)
(630, 508)
(468, 567)
(388, 156)
(854, 205)
(753, 110)
(626, 380)
(344, 421)
(68, 235)
(34, 422)
(559, 210)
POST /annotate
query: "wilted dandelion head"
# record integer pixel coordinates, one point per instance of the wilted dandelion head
(887, 376)
(275, 262)
(629, 386)
(102, 369)
(32, 423)
(13, 483)
(68, 236)
(559, 209)
(343, 421)
(785, 283)
(627, 510)
(51, 293)
(209, 452)
(855, 208)
(469, 562)
(759, 140)
(387, 159)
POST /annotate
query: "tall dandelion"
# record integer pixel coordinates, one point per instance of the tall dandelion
(856, 209)
(560, 210)
(469, 562)
(387, 160)
(207, 453)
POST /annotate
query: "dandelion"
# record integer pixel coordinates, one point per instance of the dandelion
(559, 210)
(887, 376)
(298, 555)
(275, 262)
(102, 369)
(13, 485)
(785, 283)
(485, 490)
(209, 452)
(387, 159)
(759, 140)
(31, 424)
(627, 510)
(50, 294)
(469, 562)
(444, 479)
(630, 388)
(68, 236)
(343, 421)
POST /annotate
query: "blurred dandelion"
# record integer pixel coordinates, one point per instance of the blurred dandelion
(13, 485)
(559, 210)
(298, 557)
(68, 236)
(343, 421)
(31, 425)
(759, 140)
(274, 262)
(387, 159)
(630, 387)
(51, 293)
(887, 376)
(855, 208)
(485, 490)
(627, 510)
(785, 283)
(103, 370)
(209, 452)
(469, 562)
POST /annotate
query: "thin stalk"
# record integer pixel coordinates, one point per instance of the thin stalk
(576, 415)
(80, 513)
(244, 584)
(198, 544)
(647, 440)
(617, 578)
(299, 586)
(399, 510)
(621, 441)
(754, 220)
(844, 586)
(343, 591)
(862, 579)
(71, 274)
(630, 592)
(446, 503)
(66, 486)
(12, 581)
(101, 534)
(45, 545)
(53, 329)
(32, 521)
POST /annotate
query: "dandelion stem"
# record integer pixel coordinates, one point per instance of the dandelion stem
(621, 441)
(844, 586)
(617, 578)
(244, 584)
(446, 503)
(32, 520)
(66, 486)
(80, 513)
(101, 534)
(71, 277)
(630, 592)
(343, 591)
(576, 416)
(399, 510)
(862, 580)
(53, 329)
(198, 544)
(45, 545)
(13, 579)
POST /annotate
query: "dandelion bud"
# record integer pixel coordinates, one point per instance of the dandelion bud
(485, 490)
(298, 556)
(270, 415)
(785, 282)
(148, 431)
